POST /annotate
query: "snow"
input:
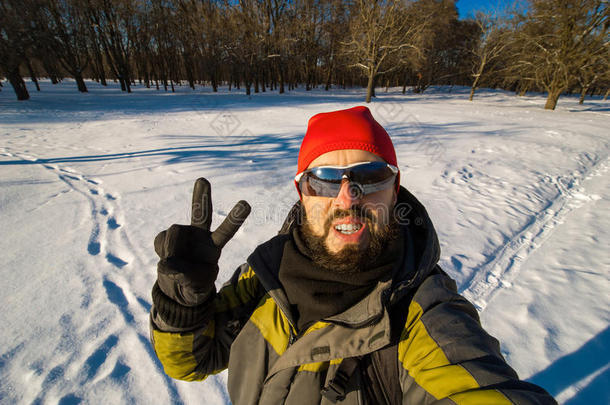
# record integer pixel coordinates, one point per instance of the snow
(519, 196)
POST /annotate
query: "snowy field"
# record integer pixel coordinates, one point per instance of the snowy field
(520, 198)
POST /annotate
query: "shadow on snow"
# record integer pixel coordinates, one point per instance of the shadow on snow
(592, 357)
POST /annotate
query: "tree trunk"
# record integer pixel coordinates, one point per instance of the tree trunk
(606, 95)
(14, 77)
(190, 77)
(33, 74)
(329, 76)
(471, 93)
(51, 69)
(281, 77)
(551, 101)
(249, 77)
(370, 88)
(127, 80)
(374, 85)
(473, 88)
(475, 84)
(80, 83)
(583, 93)
(523, 89)
(99, 62)
(103, 77)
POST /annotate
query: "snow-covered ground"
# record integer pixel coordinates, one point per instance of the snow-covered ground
(520, 197)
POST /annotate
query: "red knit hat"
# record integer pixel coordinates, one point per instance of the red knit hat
(354, 128)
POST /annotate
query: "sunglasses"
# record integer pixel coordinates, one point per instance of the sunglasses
(364, 178)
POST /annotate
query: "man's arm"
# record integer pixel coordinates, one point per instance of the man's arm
(446, 357)
(193, 352)
(192, 327)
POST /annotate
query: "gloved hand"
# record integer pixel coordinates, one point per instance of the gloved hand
(189, 254)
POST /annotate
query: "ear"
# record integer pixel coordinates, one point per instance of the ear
(394, 197)
(298, 190)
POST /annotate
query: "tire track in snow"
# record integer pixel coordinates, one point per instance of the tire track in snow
(106, 237)
(503, 268)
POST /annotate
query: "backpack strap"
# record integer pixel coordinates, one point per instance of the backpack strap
(336, 388)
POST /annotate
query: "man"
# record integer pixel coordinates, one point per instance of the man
(346, 305)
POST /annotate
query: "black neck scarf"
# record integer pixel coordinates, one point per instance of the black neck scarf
(316, 293)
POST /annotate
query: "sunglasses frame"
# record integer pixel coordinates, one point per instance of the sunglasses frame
(363, 189)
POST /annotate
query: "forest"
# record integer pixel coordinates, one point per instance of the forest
(550, 46)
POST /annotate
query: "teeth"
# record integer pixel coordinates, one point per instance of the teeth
(348, 228)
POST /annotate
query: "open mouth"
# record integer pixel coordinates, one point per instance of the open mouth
(348, 229)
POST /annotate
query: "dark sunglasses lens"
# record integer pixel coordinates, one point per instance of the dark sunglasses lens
(327, 174)
(313, 186)
(370, 173)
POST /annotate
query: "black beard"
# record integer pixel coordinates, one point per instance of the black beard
(352, 258)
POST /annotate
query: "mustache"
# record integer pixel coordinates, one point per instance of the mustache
(359, 212)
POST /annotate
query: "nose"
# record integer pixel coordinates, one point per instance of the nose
(349, 195)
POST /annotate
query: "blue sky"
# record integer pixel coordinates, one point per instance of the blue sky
(466, 7)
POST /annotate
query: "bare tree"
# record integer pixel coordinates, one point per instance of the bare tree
(334, 26)
(440, 40)
(307, 33)
(556, 41)
(275, 33)
(378, 30)
(13, 44)
(189, 32)
(245, 42)
(594, 65)
(69, 30)
(114, 22)
(491, 44)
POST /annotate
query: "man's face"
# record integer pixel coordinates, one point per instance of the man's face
(349, 221)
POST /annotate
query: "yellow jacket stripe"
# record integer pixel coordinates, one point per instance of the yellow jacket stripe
(175, 351)
(427, 364)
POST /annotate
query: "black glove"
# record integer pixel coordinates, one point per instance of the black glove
(189, 255)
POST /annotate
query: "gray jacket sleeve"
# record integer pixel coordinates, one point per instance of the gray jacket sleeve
(445, 356)
(194, 353)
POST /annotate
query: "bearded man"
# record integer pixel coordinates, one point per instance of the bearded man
(347, 304)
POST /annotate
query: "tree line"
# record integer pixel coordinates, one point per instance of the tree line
(278, 45)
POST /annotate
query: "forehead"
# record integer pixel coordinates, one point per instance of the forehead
(344, 157)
